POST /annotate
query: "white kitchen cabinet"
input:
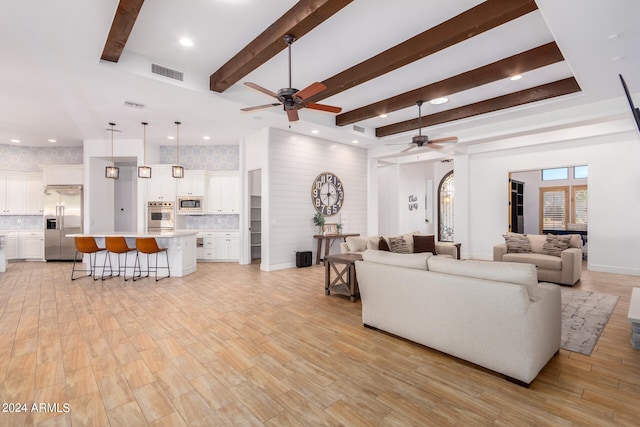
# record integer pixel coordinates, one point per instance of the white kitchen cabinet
(208, 246)
(32, 245)
(193, 183)
(227, 245)
(12, 245)
(223, 193)
(35, 194)
(13, 193)
(162, 185)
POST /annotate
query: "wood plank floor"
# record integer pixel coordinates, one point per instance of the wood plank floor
(230, 345)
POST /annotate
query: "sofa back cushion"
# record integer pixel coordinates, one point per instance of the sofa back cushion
(537, 242)
(418, 261)
(510, 272)
(356, 244)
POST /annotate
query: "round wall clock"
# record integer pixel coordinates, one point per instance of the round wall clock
(327, 193)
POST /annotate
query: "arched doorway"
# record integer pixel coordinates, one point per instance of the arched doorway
(445, 208)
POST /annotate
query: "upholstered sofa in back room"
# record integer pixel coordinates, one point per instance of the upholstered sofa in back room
(419, 243)
(558, 258)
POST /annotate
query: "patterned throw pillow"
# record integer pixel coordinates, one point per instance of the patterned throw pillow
(517, 243)
(555, 244)
(398, 245)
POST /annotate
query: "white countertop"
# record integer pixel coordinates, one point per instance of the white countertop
(168, 234)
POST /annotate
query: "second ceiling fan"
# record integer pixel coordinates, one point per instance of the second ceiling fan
(292, 99)
(421, 140)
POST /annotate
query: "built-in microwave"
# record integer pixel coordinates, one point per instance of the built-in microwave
(190, 204)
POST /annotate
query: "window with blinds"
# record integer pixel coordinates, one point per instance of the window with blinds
(580, 208)
(554, 208)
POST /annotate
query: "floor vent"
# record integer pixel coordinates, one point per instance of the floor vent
(167, 72)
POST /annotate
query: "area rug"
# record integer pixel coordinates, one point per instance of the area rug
(584, 316)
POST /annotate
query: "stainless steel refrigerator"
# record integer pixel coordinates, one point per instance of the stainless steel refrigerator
(62, 216)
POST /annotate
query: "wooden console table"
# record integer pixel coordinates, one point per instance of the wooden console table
(329, 238)
(345, 282)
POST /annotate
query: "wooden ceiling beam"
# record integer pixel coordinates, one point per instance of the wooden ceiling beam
(121, 26)
(538, 93)
(483, 17)
(517, 64)
(303, 17)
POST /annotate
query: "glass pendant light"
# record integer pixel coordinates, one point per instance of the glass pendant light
(144, 171)
(112, 171)
(177, 171)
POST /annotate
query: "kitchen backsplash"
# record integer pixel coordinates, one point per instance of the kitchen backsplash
(30, 159)
(203, 157)
(213, 222)
(21, 222)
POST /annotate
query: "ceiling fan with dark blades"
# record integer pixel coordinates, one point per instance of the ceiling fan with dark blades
(292, 99)
(421, 140)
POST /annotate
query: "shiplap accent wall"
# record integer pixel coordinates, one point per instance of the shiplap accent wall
(294, 161)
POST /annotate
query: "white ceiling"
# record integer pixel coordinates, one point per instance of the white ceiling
(54, 86)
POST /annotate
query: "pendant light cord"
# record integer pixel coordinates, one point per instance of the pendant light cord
(178, 142)
(113, 164)
(144, 144)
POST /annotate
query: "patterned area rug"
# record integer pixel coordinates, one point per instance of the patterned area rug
(584, 316)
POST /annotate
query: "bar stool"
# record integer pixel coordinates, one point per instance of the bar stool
(149, 245)
(117, 245)
(87, 245)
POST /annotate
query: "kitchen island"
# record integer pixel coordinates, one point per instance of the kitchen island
(181, 247)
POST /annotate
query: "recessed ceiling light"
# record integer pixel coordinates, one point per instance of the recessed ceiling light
(516, 77)
(438, 101)
(206, 137)
(315, 131)
(187, 42)
(171, 137)
(355, 141)
(51, 140)
(383, 116)
(16, 141)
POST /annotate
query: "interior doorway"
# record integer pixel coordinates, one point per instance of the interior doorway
(125, 196)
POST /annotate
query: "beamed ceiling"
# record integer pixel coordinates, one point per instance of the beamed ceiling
(375, 58)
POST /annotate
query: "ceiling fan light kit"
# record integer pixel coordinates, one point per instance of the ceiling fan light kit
(290, 98)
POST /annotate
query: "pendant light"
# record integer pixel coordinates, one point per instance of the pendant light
(144, 171)
(177, 171)
(112, 171)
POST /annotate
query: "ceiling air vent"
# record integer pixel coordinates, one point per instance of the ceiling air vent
(133, 104)
(167, 72)
(357, 128)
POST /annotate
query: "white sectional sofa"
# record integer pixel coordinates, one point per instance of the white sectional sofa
(493, 314)
(358, 244)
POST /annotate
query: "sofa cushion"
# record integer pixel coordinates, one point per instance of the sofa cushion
(555, 244)
(398, 245)
(383, 245)
(424, 244)
(547, 262)
(373, 243)
(536, 241)
(418, 261)
(519, 274)
(356, 244)
(517, 243)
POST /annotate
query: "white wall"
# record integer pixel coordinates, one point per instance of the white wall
(294, 161)
(614, 199)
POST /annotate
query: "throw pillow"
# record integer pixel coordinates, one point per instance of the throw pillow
(383, 245)
(555, 244)
(517, 243)
(398, 245)
(424, 244)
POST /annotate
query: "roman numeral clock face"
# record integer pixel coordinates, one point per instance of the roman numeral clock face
(327, 194)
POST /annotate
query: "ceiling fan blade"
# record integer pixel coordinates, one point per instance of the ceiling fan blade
(411, 146)
(310, 90)
(323, 107)
(260, 89)
(293, 115)
(447, 139)
(260, 107)
(436, 146)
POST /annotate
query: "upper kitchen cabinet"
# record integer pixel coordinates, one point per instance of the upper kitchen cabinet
(193, 183)
(35, 185)
(161, 186)
(13, 193)
(223, 193)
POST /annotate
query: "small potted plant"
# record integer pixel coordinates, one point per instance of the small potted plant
(318, 220)
(339, 227)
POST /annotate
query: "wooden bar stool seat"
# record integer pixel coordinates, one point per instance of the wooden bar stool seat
(118, 245)
(87, 245)
(149, 245)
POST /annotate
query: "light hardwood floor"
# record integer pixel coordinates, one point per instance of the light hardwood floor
(230, 345)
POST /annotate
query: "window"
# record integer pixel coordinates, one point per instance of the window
(445, 208)
(555, 174)
(581, 172)
(579, 203)
(554, 208)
